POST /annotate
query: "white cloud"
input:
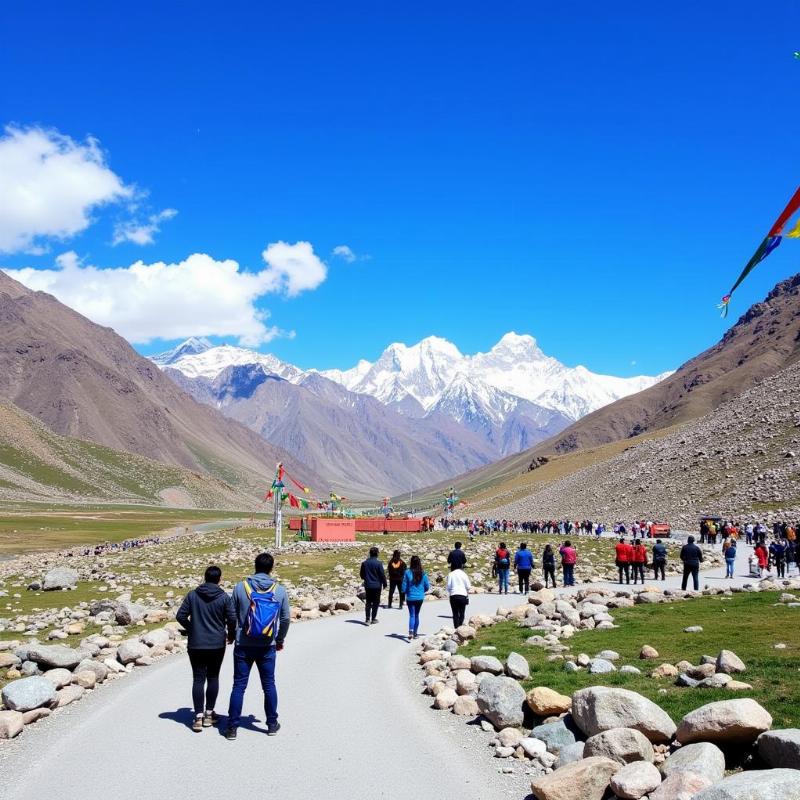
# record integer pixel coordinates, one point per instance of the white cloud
(197, 296)
(49, 186)
(344, 252)
(142, 232)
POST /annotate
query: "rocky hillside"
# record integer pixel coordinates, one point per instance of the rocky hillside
(85, 381)
(37, 464)
(741, 460)
(764, 340)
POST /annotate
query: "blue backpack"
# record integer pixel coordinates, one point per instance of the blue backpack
(263, 614)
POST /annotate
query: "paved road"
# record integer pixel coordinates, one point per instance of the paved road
(352, 728)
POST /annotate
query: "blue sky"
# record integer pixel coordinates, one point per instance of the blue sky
(595, 176)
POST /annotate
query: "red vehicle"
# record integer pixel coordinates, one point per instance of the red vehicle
(660, 530)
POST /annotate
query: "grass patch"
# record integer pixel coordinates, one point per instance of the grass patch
(750, 624)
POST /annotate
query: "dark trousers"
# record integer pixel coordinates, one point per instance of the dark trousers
(205, 677)
(392, 586)
(243, 660)
(373, 600)
(569, 574)
(550, 572)
(638, 571)
(524, 579)
(780, 565)
(659, 567)
(458, 605)
(694, 571)
(624, 569)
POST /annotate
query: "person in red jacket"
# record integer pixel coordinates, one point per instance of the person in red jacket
(639, 560)
(622, 551)
(762, 556)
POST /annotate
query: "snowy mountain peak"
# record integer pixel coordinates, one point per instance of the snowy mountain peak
(192, 346)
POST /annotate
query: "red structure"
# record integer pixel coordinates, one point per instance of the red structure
(332, 530)
(363, 525)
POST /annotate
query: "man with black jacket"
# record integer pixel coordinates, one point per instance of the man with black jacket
(457, 558)
(374, 577)
(659, 559)
(691, 555)
(207, 614)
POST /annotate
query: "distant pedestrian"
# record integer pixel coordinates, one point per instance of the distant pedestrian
(639, 556)
(568, 558)
(730, 559)
(262, 622)
(549, 565)
(396, 568)
(691, 556)
(523, 564)
(374, 578)
(762, 558)
(208, 616)
(458, 586)
(502, 562)
(457, 558)
(777, 551)
(622, 552)
(415, 585)
(659, 560)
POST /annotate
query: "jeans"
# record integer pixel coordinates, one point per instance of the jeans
(624, 568)
(694, 571)
(243, 660)
(524, 579)
(373, 601)
(659, 566)
(550, 572)
(729, 562)
(569, 574)
(458, 605)
(502, 579)
(414, 607)
(392, 586)
(638, 571)
(205, 677)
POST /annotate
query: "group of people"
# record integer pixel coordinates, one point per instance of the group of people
(631, 558)
(523, 562)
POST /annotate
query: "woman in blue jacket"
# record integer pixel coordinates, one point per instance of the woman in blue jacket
(415, 585)
(523, 564)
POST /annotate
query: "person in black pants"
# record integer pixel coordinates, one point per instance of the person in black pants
(397, 570)
(549, 564)
(659, 559)
(207, 614)
(374, 578)
(691, 555)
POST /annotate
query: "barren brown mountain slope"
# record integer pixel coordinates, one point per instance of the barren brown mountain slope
(85, 381)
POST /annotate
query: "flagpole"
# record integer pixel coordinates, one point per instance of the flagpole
(278, 519)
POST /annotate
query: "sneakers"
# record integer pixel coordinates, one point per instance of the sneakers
(374, 622)
(210, 718)
(273, 728)
(230, 734)
(197, 724)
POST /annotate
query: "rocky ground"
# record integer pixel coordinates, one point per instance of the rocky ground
(739, 461)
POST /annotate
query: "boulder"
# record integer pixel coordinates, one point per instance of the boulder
(759, 784)
(599, 708)
(701, 758)
(59, 677)
(128, 613)
(445, 699)
(509, 737)
(635, 780)
(586, 779)
(517, 667)
(680, 786)
(729, 662)
(532, 747)
(131, 650)
(34, 715)
(665, 671)
(11, 724)
(546, 702)
(466, 706)
(500, 700)
(86, 679)
(99, 669)
(572, 752)
(486, 664)
(600, 666)
(28, 693)
(60, 578)
(556, 735)
(9, 660)
(69, 694)
(624, 745)
(780, 748)
(731, 721)
(48, 656)
(648, 652)
(159, 636)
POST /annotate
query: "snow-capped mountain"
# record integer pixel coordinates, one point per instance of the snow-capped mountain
(200, 361)
(191, 347)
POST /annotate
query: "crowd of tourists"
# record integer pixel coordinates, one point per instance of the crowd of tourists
(563, 527)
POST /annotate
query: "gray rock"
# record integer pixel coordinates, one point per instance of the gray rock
(11, 724)
(693, 629)
(486, 664)
(737, 721)
(569, 753)
(780, 748)
(127, 613)
(624, 745)
(628, 669)
(60, 578)
(27, 693)
(55, 655)
(556, 735)
(159, 636)
(28, 668)
(599, 708)
(680, 786)
(99, 669)
(599, 666)
(684, 680)
(608, 655)
(517, 667)
(586, 779)
(59, 677)
(701, 758)
(501, 701)
(131, 650)
(729, 662)
(766, 784)
(635, 780)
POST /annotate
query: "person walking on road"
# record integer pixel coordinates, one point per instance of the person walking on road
(549, 565)
(396, 569)
(569, 555)
(457, 558)
(691, 556)
(415, 585)
(502, 563)
(458, 586)
(639, 560)
(208, 616)
(262, 622)
(762, 557)
(777, 551)
(659, 560)
(523, 564)
(730, 559)
(623, 554)
(374, 578)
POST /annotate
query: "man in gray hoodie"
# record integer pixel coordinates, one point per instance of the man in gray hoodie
(257, 649)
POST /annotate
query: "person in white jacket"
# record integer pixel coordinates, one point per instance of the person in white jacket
(458, 587)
